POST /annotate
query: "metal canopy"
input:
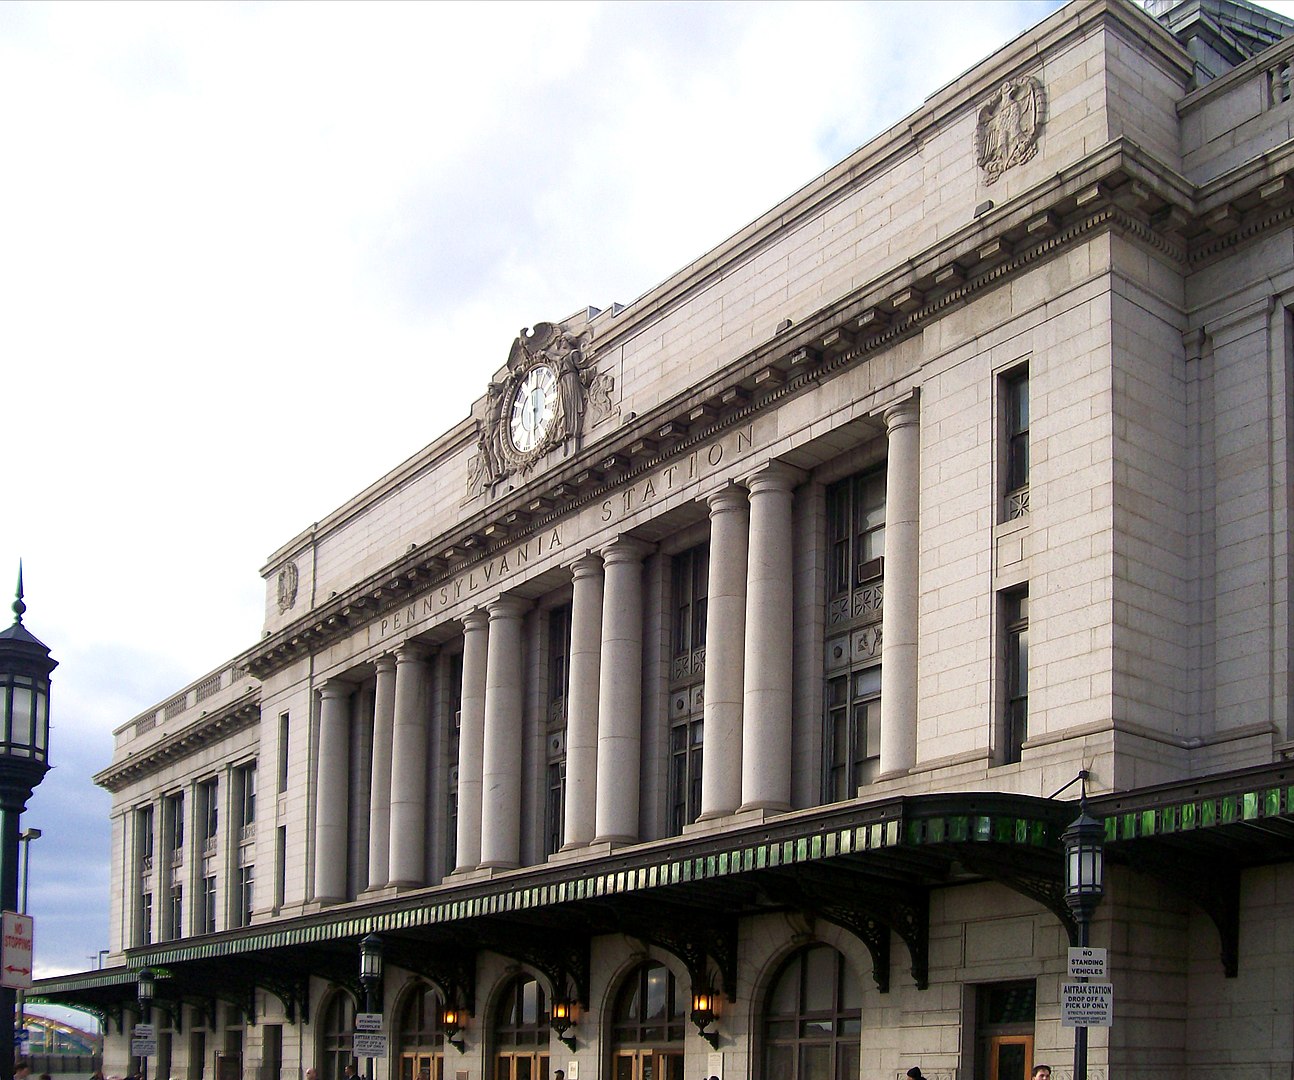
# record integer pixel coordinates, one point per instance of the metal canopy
(867, 867)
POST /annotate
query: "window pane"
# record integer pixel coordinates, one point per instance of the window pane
(819, 980)
(815, 1062)
(780, 1063)
(785, 999)
(656, 989)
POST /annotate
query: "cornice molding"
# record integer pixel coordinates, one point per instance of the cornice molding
(220, 724)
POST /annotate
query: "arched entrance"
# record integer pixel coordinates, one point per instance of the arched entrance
(648, 1025)
(420, 1040)
(521, 1032)
(813, 1019)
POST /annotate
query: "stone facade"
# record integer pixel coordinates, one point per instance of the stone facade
(743, 639)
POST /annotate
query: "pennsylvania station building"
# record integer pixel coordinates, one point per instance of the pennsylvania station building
(714, 699)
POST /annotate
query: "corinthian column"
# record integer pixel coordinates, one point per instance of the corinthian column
(471, 741)
(899, 621)
(766, 751)
(379, 810)
(620, 695)
(333, 803)
(725, 628)
(582, 702)
(501, 766)
(409, 768)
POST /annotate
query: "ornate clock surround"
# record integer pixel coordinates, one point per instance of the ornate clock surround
(548, 346)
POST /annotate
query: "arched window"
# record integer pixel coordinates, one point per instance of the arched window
(648, 1024)
(521, 1032)
(419, 1035)
(813, 1019)
(335, 1037)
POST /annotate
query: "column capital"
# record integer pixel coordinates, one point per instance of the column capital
(775, 476)
(732, 496)
(507, 606)
(476, 619)
(625, 549)
(336, 687)
(385, 662)
(901, 414)
(587, 565)
(412, 651)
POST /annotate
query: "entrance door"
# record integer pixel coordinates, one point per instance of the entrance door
(229, 1067)
(1010, 1057)
(649, 1065)
(420, 1066)
(521, 1065)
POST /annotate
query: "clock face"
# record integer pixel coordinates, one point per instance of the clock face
(534, 406)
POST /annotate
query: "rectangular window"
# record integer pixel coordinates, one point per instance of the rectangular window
(555, 806)
(144, 829)
(685, 757)
(690, 573)
(246, 894)
(207, 912)
(1015, 638)
(559, 680)
(177, 911)
(245, 790)
(855, 532)
(280, 866)
(451, 761)
(691, 588)
(559, 661)
(208, 813)
(1015, 402)
(855, 607)
(146, 919)
(173, 823)
(853, 731)
(283, 752)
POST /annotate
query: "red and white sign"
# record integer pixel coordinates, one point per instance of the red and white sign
(15, 950)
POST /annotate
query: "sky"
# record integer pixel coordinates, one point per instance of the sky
(254, 255)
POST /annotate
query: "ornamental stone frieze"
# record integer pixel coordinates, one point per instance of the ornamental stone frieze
(538, 406)
(1009, 126)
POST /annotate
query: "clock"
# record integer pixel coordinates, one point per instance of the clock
(534, 407)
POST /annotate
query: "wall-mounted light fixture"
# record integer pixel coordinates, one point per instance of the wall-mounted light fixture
(704, 1014)
(452, 1020)
(562, 1020)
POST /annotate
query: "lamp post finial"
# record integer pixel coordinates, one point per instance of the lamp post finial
(18, 606)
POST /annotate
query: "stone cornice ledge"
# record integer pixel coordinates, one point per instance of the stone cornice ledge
(219, 724)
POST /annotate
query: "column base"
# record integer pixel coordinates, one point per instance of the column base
(900, 773)
(470, 873)
(404, 885)
(586, 849)
(763, 810)
(615, 841)
(499, 865)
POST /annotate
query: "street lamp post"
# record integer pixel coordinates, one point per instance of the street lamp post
(27, 836)
(370, 975)
(1084, 842)
(25, 666)
(146, 988)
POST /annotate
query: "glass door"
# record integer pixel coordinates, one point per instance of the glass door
(420, 1066)
(1010, 1057)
